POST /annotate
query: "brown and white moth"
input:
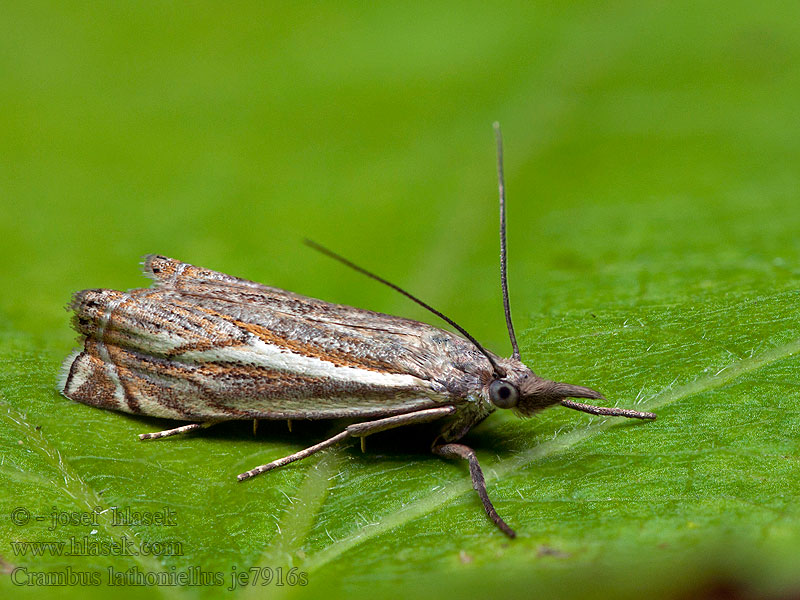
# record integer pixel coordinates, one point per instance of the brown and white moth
(206, 347)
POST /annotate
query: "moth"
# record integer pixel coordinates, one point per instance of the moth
(205, 347)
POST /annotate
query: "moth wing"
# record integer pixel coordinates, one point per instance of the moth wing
(171, 273)
(199, 285)
(148, 352)
(116, 378)
(342, 334)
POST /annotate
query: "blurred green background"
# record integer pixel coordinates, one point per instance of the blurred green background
(652, 153)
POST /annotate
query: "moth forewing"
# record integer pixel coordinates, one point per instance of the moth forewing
(203, 346)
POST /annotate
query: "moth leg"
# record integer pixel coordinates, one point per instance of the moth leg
(177, 430)
(478, 482)
(357, 430)
(421, 416)
(293, 457)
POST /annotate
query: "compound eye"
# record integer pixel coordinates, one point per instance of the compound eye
(503, 394)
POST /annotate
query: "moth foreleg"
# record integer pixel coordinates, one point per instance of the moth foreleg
(478, 481)
(357, 430)
(177, 430)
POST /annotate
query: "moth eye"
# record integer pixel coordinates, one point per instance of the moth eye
(503, 394)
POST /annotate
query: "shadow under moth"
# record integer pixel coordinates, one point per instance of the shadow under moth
(206, 347)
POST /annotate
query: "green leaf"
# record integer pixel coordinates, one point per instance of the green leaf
(651, 164)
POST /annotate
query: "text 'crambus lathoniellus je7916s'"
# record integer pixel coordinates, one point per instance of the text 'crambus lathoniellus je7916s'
(207, 347)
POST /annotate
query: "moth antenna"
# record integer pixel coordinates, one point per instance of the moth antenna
(503, 253)
(499, 372)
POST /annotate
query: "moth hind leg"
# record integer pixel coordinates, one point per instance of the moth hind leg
(177, 430)
(356, 430)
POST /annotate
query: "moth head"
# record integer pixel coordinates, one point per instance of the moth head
(526, 393)
(537, 393)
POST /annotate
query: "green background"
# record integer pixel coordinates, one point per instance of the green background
(652, 153)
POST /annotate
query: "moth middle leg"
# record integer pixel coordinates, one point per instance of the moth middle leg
(356, 430)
